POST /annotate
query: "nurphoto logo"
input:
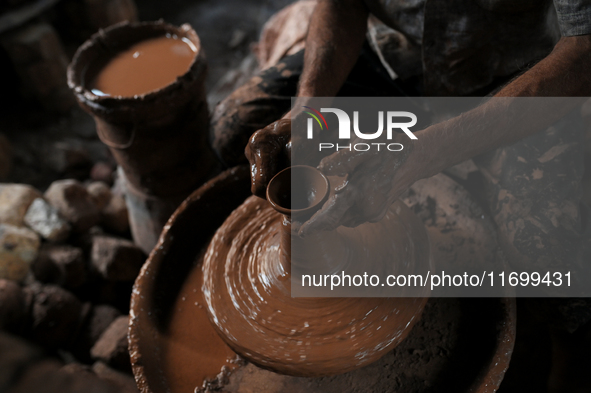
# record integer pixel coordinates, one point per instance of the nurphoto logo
(395, 120)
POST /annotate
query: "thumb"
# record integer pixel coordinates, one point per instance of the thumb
(329, 217)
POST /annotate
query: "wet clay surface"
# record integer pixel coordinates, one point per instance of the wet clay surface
(192, 351)
(157, 292)
(144, 67)
(248, 296)
(447, 351)
(458, 345)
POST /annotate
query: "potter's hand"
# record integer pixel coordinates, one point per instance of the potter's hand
(375, 179)
(268, 152)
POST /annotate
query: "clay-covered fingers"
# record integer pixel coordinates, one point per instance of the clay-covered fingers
(334, 213)
(365, 196)
(268, 153)
(261, 173)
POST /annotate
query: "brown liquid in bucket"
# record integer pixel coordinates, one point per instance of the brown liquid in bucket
(144, 84)
(144, 67)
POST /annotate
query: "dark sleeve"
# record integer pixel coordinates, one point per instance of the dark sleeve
(574, 16)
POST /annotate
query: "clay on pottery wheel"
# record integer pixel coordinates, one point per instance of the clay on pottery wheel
(193, 346)
(247, 287)
(461, 345)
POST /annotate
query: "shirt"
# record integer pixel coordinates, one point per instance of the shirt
(460, 46)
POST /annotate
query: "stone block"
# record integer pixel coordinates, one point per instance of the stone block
(116, 259)
(15, 200)
(74, 204)
(111, 347)
(18, 249)
(45, 219)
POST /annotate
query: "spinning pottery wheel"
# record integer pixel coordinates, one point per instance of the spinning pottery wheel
(162, 295)
(247, 282)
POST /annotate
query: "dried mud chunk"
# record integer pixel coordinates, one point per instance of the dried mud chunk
(57, 315)
(60, 264)
(15, 199)
(116, 259)
(74, 203)
(114, 217)
(12, 305)
(18, 249)
(46, 221)
(111, 347)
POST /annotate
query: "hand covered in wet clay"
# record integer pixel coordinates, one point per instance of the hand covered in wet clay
(374, 180)
(268, 151)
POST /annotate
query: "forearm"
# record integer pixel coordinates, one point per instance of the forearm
(563, 73)
(505, 120)
(335, 37)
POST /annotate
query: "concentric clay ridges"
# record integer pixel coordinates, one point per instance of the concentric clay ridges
(249, 302)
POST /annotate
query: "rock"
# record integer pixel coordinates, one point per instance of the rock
(23, 369)
(46, 270)
(116, 259)
(116, 380)
(48, 376)
(12, 306)
(111, 347)
(46, 221)
(41, 62)
(115, 217)
(60, 264)
(5, 157)
(69, 156)
(76, 368)
(17, 354)
(100, 193)
(74, 203)
(114, 293)
(18, 249)
(99, 319)
(123, 381)
(15, 199)
(102, 171)
(56, 315)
